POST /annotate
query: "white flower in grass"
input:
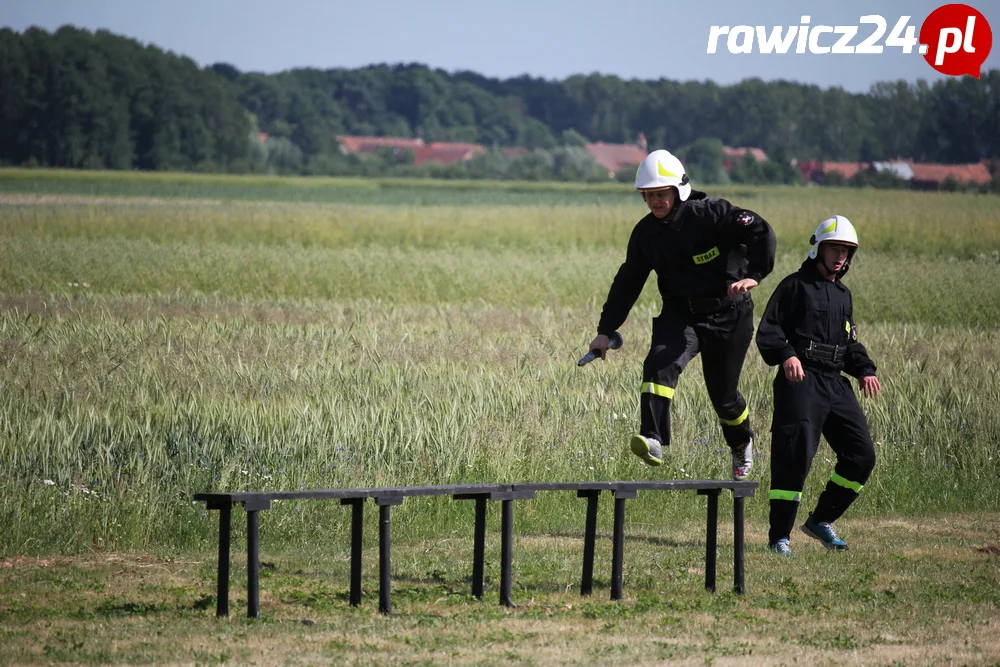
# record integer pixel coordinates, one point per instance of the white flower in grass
(48, 482)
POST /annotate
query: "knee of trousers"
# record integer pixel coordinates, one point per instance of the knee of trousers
(859, 466)
(725, 396)
(663, 375)
(868, 462)
(793, 441)
(791, 456)
(735, 413)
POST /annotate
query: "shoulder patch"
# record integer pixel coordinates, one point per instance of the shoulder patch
(745, 218)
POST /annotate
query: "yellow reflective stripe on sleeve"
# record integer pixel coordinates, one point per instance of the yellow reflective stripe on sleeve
(847, 326)
(846, 483)
(739, 420)
(657, 389)
(778, 494)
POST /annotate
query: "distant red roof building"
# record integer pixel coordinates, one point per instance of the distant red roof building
(731, 156)
(442, 152)
(809, 168)
(816, 170)
(845, 169)
(933, 176)
(349, 144)
(920, 175)
(615, 157)
(446, 153)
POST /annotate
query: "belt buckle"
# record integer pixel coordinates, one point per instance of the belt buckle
(815, 352)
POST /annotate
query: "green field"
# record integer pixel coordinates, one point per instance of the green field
(162, 335)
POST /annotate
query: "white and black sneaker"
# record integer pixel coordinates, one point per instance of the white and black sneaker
(743, 461)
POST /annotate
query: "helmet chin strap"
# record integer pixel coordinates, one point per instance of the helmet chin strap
(827, 271)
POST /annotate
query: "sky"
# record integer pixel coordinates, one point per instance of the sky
(549, 39)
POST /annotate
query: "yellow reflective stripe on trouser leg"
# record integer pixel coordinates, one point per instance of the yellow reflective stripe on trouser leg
(778, 494)
(739, 420)
(657, 389)
(846, 483)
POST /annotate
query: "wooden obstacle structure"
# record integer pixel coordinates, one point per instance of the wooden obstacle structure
(254, 502)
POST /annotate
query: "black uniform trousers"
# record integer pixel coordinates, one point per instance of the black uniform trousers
(722, 335)
(822, 403)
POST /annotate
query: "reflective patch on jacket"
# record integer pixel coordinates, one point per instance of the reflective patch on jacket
(706, 256)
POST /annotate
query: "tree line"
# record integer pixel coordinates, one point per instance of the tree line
(73, 98)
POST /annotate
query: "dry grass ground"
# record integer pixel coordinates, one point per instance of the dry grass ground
(910, 592)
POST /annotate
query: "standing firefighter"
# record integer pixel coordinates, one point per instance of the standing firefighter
(708, 254)
(808, 330)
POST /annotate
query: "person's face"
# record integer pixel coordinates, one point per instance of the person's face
(833, 256)
(660, 202)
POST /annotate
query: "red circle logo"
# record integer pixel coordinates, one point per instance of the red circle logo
(955, 40)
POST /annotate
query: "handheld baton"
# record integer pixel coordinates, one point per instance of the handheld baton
(615, 341)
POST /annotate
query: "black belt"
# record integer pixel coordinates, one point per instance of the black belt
(833, 354)
(705, 305)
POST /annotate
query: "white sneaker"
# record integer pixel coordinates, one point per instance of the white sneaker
(743, 461)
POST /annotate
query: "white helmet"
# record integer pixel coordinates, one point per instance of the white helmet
(837, 229)
(659, 170)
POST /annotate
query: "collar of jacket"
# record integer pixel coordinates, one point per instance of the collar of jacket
(812, 274)
(675, 218)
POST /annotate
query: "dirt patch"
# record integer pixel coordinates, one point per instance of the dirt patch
(24, 562)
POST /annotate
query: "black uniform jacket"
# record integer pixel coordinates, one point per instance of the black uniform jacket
(702, 247)
(806, 306)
